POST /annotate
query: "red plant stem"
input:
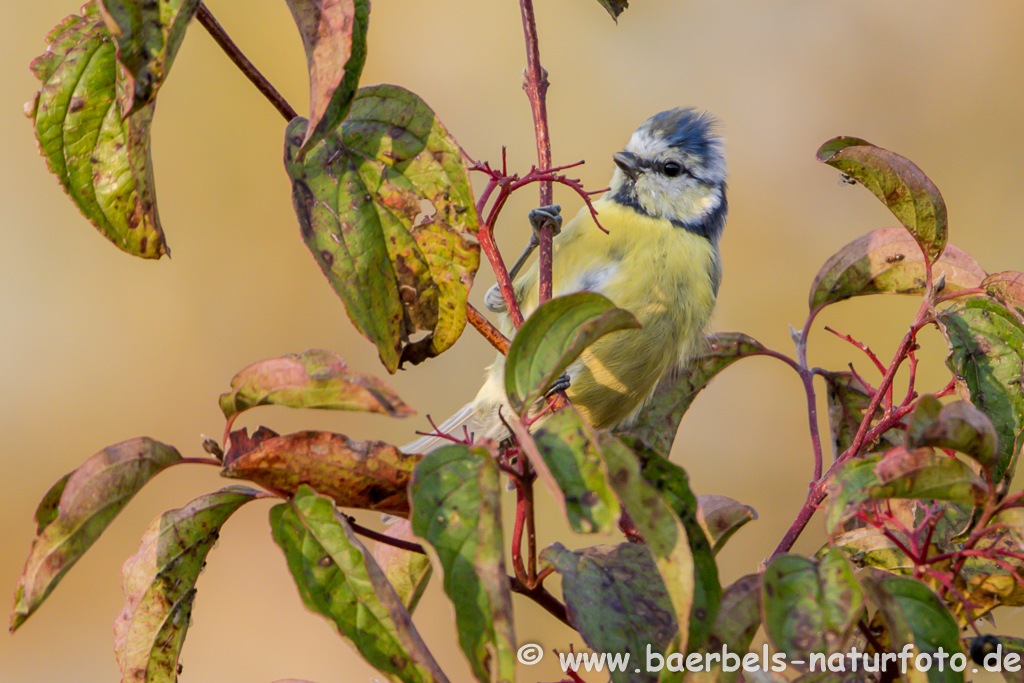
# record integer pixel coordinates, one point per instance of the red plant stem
(490, 249)
(491, 333)
(213, 27)
(517, 532)
(807, 377)
(816, 492)
(536, 86)
(542, 597)
(860, 345)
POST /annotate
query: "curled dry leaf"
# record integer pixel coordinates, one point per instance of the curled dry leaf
(371, 475)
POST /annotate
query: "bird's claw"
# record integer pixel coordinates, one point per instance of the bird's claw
(560, 384)
(494, 301)
(547, 217)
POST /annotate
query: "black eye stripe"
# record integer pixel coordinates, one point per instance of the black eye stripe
(672, 169)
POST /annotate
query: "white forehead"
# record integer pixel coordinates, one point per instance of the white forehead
(653, 146)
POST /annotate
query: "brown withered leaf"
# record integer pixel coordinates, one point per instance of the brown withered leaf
(371, 475)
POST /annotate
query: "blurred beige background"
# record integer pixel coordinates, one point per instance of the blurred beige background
(97, 347)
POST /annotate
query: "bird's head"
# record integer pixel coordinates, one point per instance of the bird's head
(674, 168)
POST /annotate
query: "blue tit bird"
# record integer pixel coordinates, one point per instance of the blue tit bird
(664, 214)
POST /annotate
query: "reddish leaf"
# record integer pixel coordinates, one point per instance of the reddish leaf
(313, 379)
(371, 475)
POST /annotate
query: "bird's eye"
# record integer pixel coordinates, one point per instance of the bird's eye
(672, 169)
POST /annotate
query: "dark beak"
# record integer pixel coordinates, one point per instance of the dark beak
(628, 162)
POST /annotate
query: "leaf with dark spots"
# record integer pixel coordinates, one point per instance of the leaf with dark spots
(659, 421)
(959, 426)
(456, 510)
(338, 578)
(811, 607)
(148, 35)
(986, 343)
(371, 475)
(914, 615)
(358, 194)
(572, 470)
(617, 600)
(889, 261)
(721, 517)
(663, 510)
(738, 620)
(101, 159)
(898, 183)
(312, 379)
(90, 498)
(159, 584)
(923, 474)
(1008, 289)
(920, 474)
(334, 37)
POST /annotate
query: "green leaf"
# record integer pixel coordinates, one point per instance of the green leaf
(659, 421)
(986, 344)
(101, 159)
(1007, 288)
(920, 474)
(673, 484)
(334, 36)
(739, 618)
(370, 475)
(159, 584)
(91, 497)
(914, 616)
(663, 510)
(926, 412)
(959, 426)
(811, 607)
(408, 572)
(552, 338)
(889, 261)
(337, 577)
(148, 35)
(48, 508)
(898, 183)
(721, 517)
(616, 599)
(847, 400)
(312, 379)
(847, 490)
(614, 7)
(572, 469)
(870, 547)
(359, 195)
(456, 509)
